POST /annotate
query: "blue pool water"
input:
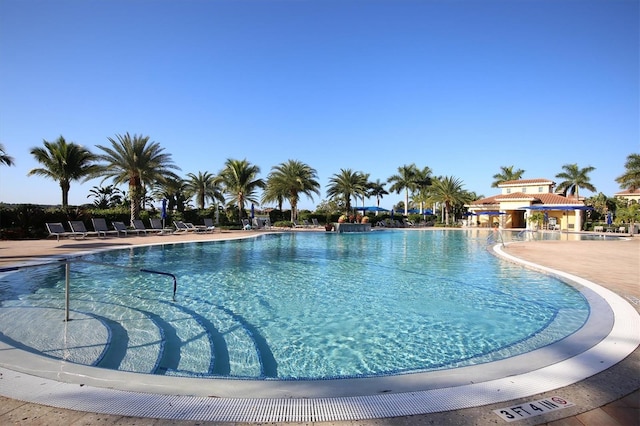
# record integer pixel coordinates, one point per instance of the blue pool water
(292, 306)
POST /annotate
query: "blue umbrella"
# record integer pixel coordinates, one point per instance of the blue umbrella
(163, 211)
(391, 214)
(373, 209)
(609, 219)
(253, 212)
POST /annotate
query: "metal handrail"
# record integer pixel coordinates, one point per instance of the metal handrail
(67, 263)
(175, 280)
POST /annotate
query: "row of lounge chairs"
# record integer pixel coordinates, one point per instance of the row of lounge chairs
(79, 230)
(305, 223)
(256, 223)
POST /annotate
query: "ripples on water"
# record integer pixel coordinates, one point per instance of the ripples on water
(307, 305)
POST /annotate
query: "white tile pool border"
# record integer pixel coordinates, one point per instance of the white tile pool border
(24, 383)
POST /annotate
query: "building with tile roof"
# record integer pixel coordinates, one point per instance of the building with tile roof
(629, 195)
(519, 198)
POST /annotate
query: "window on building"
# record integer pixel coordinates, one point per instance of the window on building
(524, 190)
(508, 190)
(540, 189)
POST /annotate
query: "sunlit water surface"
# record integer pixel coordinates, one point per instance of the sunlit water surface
(292, 306)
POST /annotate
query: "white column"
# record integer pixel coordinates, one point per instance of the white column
(578, 224)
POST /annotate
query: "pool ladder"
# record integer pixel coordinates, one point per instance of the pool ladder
(495, 237)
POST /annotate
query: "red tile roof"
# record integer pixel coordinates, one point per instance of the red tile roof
(515, 196)
(628, 192)
(546, 198)
(488, 200)
(557, 199)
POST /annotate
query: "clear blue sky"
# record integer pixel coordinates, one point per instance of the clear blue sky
(461, 86)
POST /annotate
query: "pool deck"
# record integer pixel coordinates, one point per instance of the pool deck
(611, 397)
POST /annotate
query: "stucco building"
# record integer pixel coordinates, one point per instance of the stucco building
(520, 198)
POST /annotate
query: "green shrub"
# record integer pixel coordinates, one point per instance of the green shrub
(283, 224)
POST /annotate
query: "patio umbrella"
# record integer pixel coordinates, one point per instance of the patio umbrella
(391, 214)
(253, 211)
(609, 218)
(163, 211)
(372, 209)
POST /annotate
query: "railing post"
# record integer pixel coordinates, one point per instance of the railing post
(67, 272)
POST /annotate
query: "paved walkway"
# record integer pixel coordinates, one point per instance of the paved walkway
(608, 398)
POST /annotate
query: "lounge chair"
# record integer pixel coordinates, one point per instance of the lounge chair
(120, 227)
(56, 229)
(156, 225)
(138, 226)
(181, 227)
(208, 224)
(100, 226)
(296, 224)
(267, 223)
(77, 226)
(315, 222)
(194, 228)
(622, 230)
(246, 225)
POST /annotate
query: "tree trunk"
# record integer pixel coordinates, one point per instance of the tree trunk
(65, 186)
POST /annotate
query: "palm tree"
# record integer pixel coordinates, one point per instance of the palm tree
(175, 191)
(422, 182)
(106, 196)
(138, 162)
(630, 179)
(204, 186)
(273, 193)
(239, 180)
(292, 178)
(405, 180)
(4, 158)
(64, 162)
(448, 190)
(376, 189)
(575, 178)
(345, 185)
(506, 174)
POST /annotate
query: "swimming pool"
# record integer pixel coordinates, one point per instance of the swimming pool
(293, 306)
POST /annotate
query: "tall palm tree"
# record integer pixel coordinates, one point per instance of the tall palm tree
(64, 162)
(4, 157)
(506, 174)
(138, 162)
(422, 182)
(575, 178)
(630, 179)
(291, 179)
(405, 180)
(239, 180)
(448, 190)
(376, 189)
(345, 185)
(204, 186)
